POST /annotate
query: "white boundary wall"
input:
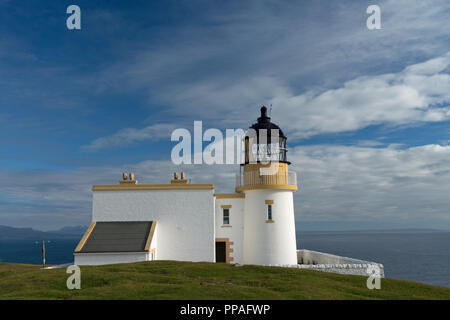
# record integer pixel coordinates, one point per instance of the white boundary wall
(308, 259)
(96, 259)
(326, 262)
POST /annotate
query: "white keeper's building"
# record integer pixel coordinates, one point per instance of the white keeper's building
(190, 222)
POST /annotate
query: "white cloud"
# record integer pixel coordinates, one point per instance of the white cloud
(419, 93)
(414, 94)
(317, 64)
(127, 136)
(348, 183)
(337, 183)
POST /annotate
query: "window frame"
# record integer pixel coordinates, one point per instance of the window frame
(227, 210)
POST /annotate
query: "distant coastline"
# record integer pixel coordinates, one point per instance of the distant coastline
(76, 232)
(12, 233)
(375, 231)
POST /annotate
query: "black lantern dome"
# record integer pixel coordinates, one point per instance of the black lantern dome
(265, 127)
(264, 123)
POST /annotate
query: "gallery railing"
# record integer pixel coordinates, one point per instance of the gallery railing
(255, 178)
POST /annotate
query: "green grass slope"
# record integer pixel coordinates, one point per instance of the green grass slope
(186, 280)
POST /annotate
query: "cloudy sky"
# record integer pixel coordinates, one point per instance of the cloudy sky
(366, 112)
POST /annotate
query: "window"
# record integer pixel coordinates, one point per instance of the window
(269, 212)
(226, 216)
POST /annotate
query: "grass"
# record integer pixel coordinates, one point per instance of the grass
(187, 280)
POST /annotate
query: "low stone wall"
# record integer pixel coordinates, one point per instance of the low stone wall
(326, 262)
(320, 261)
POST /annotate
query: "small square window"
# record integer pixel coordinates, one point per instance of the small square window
(226, 216)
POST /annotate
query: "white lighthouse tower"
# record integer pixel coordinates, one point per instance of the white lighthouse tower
(269, 223)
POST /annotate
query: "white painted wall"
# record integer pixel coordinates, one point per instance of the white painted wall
(236, 232)
(154, 244)
(321, 261)
(96, 259)
(185, 219)
(269, 243)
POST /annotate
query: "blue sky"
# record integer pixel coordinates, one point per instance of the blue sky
(366, 113)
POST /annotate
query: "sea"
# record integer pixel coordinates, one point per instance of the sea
(416, 256)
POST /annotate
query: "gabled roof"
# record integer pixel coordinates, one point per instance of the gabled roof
(124, 236)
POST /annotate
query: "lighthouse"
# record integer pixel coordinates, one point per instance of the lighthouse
(264, 178)
(187, 221)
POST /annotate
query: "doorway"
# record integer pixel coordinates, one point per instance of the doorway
(221, 251)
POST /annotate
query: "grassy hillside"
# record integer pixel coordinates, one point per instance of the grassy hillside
(185, 280)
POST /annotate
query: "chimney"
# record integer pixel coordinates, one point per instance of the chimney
(178, 181)
(125, 177)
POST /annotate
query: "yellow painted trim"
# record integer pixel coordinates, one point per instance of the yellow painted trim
(85, 237)
(269, 201)
(114, 187)
(270, 221)
(226, 206)
(128, 182)
(150, 236)
(270, 186)
(180, 181)
(226, 226)
(229, 195)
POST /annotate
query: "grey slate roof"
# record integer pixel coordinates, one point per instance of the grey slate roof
(118, 237)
